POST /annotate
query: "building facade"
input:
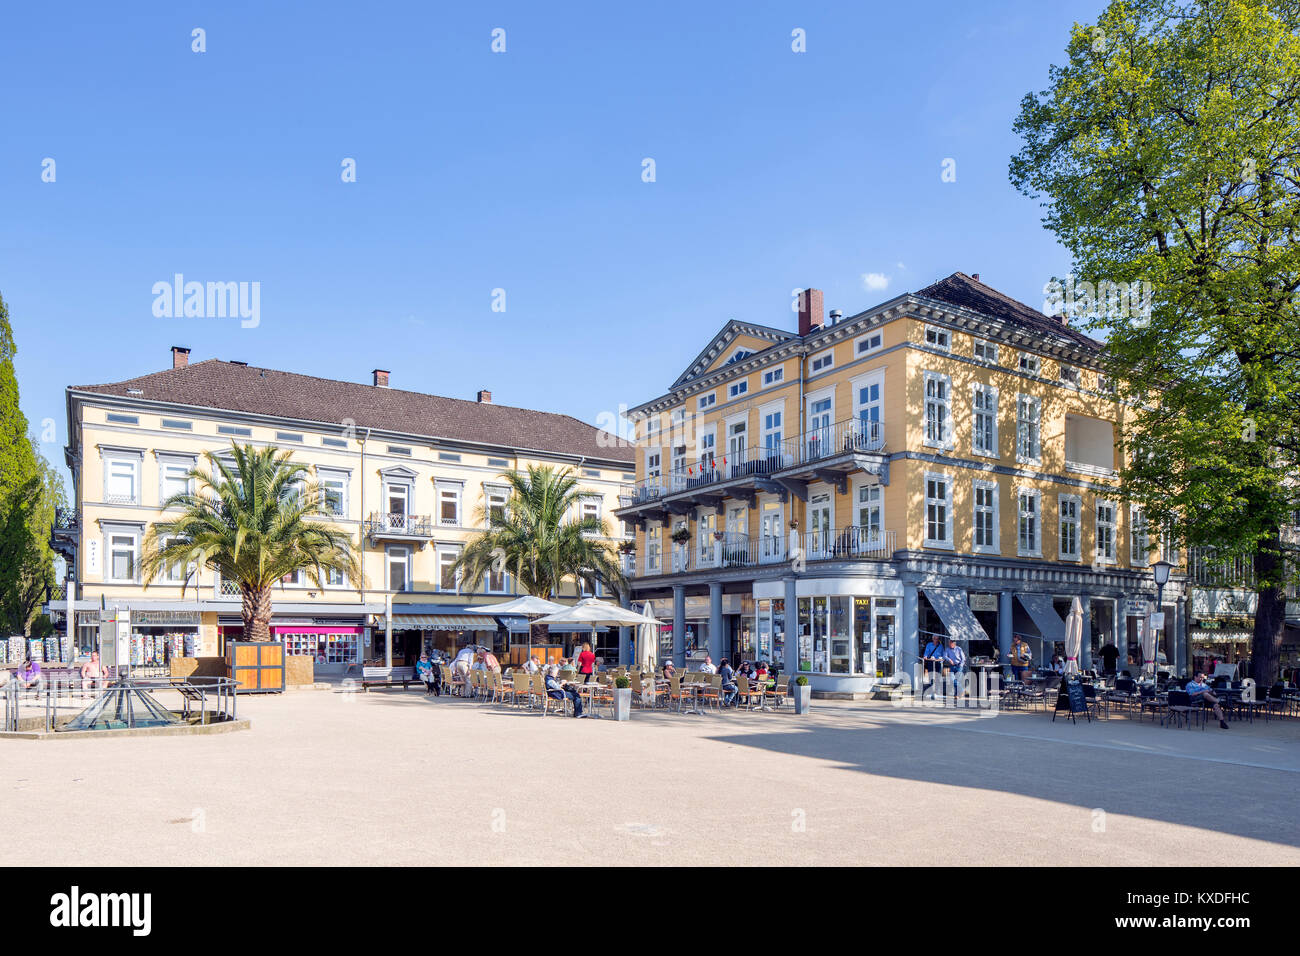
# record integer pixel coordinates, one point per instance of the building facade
(411, 476)
(941, 464)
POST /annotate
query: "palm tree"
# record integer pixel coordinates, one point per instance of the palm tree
(535, 538)
(250, 520)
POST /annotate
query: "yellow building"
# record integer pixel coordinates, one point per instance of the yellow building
(834, 496)
(410, 475)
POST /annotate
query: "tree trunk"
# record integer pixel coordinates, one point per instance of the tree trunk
(1270, 615)
(256, 611)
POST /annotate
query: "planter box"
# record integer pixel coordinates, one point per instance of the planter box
(802, 697)
(622, 703)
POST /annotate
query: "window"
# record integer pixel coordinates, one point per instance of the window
(173, 573)
(653, 550)
(706, 400)
(1029, 364)
(494, 581)
(399, 450)
(123, 556)
(334, 442)
(738, 356)
(1105, 532)
(448, 456)
(232, 430)
(823, 361)
(1069, 506)
(498, 463)
(589, 510)
(985, 351)
(985, 537)
(984, 411)
(773, 376)
(652, 430)
(335, 497)
(707, 444)
(653, 464)
(1089, 445)
(177, 424)
(938, 511)
(1169, 547)
(448, 576)
(122, 481)
(772, 432)
(448, 504)
(1069, 375)
(496, 497)
(869, 404)
(289, 436)
(123, 419)
(1105, 384)
(937, 338)
(868, 343)
(1028, 411)
(1029, 542)
(871, 504)
(938, 409)
(334, 578)
(173, 478)
(399, 569)
(738, 388)
(1139, 538)
(591, 472)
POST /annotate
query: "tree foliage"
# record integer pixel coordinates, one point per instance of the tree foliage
(1167, 151)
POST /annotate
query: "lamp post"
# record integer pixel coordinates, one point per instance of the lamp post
(1160, 572)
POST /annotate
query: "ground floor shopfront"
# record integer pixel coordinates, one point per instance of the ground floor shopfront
(853, 626)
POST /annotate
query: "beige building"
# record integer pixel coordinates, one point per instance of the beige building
(410, 475)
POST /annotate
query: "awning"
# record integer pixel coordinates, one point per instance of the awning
(954, 610)
(442, 622)
(1049, 623)
(575, 629)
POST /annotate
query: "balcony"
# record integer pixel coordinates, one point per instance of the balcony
(65, 533)
(399, 526)
(729, 551)
(831, 452)
(1206, 569)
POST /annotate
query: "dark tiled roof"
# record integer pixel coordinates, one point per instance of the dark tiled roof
(961, 290)
(263, 391)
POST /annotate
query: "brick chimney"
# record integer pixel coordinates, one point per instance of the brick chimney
(484, 397)
(381, 378)
(811, 315)
(976, 276)
(180, 356)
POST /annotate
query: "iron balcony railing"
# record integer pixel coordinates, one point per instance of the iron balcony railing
(732, 550)
(398, 523)
(1206, 568)
(838, 438)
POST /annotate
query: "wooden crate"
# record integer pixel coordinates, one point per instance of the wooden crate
(256, 666)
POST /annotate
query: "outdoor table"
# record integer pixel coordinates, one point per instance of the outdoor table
(694, 688)
(589, 690)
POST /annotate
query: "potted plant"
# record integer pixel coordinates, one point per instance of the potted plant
(802, 694)
(794, 524)
(717, 536)
(622, 698)
(627, 547)
(681, 536)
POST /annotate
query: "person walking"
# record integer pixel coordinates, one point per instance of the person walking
(955, 661)
(932, 661)
(1109, 658)
(586, 663)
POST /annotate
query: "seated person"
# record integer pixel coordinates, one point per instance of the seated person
(532, 665)
(557, 691)
(431, 676)
(729, 689)
(28, 675)
(92, 672)
(1201, 693)
(669, 670)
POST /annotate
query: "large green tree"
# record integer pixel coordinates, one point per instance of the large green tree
(541, 537)
(254, 519)
(1166, 151)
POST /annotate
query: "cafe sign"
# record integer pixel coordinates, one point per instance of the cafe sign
(983, 602)
(190, 618)
(1208, 602)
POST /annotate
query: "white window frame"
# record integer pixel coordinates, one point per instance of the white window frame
(993, 510)
(167, 462)
(1034, 549)
(397, 553)
(587, 502)
(653, 549)
(988, 348)
(1030, 364)
(440, 553)
(173, 573)
(652, 429)
(738, 388)
(991, 394)
(133, 461)
(490, 491)
(822, 361)
(341, 477)
(1034, 427)
(946, 542)
(135, 537)
(706, 442)
(1139, 538)
(1075, 522)
(1100, 557)
(768, 430)
(939, 338)
(446, 489)
(946, 441)
(873, 341)
(1069, 374)
(872, 490)
(707, 400)
(774, 376)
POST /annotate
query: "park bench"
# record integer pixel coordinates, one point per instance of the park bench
(387, 677)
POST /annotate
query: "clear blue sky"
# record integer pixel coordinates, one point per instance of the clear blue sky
(519, 171)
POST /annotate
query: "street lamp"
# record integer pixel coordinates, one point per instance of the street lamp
(1160, 571)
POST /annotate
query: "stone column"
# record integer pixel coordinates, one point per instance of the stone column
(791, 664)
(909, 629)
(388, 630)
(1085, 650)
(679, 626)
(1005, 629)
(715, 621)
(624, 652)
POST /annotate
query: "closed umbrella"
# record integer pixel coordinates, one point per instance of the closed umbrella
(1148, 647)
(1073, 636)
(648, 638)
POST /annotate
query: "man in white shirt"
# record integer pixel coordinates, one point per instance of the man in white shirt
(707, 667)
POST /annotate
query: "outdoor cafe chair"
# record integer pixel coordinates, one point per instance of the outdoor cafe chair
(1124, 693)
(1095, 702)
(780, 691)
(675, 691)
(712, 693)
(522, 688)
(747, 693)
(1182, 709)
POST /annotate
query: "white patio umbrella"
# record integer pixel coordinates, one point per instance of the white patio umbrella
(648, 638)
(597, 613)
(527, 606)
(1073, 636)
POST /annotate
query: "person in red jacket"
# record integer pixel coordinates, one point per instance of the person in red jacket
(586, 663)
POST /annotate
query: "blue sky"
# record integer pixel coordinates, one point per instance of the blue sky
(519, 171)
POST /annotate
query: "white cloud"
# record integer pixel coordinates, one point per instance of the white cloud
(874, 281)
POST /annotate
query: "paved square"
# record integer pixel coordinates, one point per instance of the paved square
(395, 777)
